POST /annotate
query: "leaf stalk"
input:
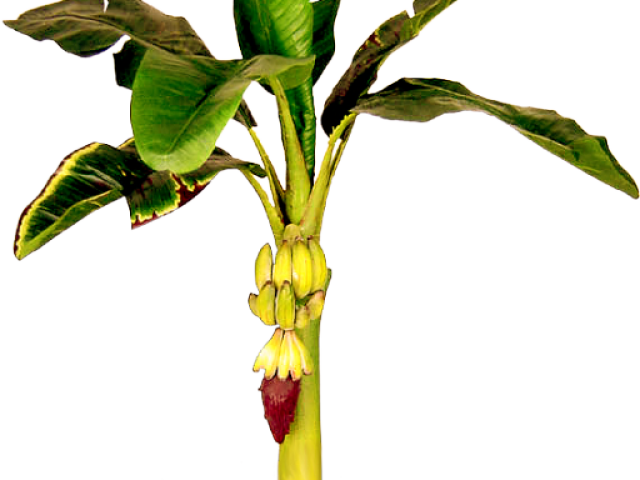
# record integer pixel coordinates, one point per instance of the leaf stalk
(276, 221)
(311, 222)
(298, 182)
(277, 192)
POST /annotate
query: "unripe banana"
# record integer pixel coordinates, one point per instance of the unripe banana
(316, 304)
(266, 304)
(269, 356)
(303, 316)
(295, 360)
(295, 366)
(319, 265)
(253, 304)
(286, 307)
(291, 233)
(302, 269)
(305, 359)
(264, 263)
(282, 267)
(284, 360)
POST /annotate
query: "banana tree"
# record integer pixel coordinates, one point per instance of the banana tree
(182, 99)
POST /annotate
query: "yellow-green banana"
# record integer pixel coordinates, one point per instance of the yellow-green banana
(302, 269)
(285, 307)
(319, 265)
(269, 356)
(264, 263)
(311, 311)
(306, 363)
(282, 267)
(291, 233)
(266, 304)
(284, 360)
(295, 358)
(253, 304)
(284, 354)
(316, 304)
(303, 316)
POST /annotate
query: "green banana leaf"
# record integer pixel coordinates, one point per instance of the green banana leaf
(163, 192)
(180, 105)
(324, 41)
(422, 100)
(99, 174)
(127, 61)
(84, 28)
(85, 181)
(285, 28)
(303, 112)
(362, 73)
(268, 27)
(243, 115)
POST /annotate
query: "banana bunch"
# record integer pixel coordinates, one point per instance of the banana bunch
(299, 271)
(291, 295)
(285, 354)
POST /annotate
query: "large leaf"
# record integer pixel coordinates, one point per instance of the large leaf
(362, 73)
(180, 105)
(274, 27)
(421, 100)
(85, 181)
(284, 28)
(127, 62)
(257, 34)
(84, 28)
(163, 192)
(324, 42)
(98, 174)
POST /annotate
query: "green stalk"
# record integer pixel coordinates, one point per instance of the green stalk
(312, 218)
(274, 183)
(298, 183)
(275, 219)
(300, 453)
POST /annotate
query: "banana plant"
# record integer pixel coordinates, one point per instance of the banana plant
(182, 98)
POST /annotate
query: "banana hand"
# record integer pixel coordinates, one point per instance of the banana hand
(284, 355)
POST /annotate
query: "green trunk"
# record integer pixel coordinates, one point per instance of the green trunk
(300, 453)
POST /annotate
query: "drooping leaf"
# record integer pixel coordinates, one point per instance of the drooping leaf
(244, 116)
(180, 105)
(284, 28)
(421, 100)
(127, 62)
(84, 28)
(362, 73)
(95, 176)
(324, 42)
(85, 181)
(163, 192)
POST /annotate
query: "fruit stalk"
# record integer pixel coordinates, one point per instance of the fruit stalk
(291, 294)
(300, 453)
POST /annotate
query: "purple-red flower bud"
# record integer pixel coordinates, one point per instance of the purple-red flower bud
(280, 398)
